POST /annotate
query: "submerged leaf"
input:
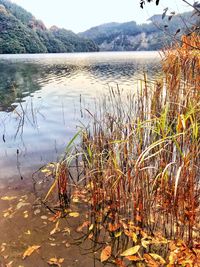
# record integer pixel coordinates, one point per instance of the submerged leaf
(29, 251)
(74, 214)
(80, 228)
(56, 229)
(8, 198)
(22, 204)
(106, 253)
(55, 261)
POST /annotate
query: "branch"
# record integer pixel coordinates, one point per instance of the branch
(193, 6)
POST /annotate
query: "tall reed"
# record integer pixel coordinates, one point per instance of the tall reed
(141, 155)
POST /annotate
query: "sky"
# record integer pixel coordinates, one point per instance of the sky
(80, 15)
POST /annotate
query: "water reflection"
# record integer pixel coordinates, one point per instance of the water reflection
(39, 100)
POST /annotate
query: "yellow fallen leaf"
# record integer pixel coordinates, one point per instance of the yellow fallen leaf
(25, 214)
(74, 214)
(91, 227)
(131, 251)
(145, 243)
(29, 251)
(55, 261)
(157, 258)
(6, 214)
(118, 234)
(106, 253)
(28, 232)
(8, 198)
(3, 247)
(9, 264)
(75, 199)
(56, 229)
(134, 237)
(66, 230)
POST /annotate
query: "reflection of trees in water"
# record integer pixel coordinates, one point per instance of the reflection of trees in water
(127, 71)
(18, 80)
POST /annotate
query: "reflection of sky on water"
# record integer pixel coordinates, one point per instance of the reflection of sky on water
(46, 90)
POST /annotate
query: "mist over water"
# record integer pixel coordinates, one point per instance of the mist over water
(40, 100)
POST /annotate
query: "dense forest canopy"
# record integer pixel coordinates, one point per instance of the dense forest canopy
(21, 32)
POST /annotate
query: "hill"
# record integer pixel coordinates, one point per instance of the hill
(130, 36)
(21, 32)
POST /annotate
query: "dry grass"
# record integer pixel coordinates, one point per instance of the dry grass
(141, 158)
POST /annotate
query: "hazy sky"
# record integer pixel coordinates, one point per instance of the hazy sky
(79, 15)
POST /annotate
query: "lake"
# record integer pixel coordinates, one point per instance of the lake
(40, 95)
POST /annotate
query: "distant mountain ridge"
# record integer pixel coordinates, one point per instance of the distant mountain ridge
(21, 32)
(130, 36)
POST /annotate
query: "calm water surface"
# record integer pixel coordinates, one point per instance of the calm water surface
(40, 100)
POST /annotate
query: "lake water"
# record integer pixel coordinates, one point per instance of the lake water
(40, 100)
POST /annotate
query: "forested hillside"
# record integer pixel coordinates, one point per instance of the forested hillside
(20, 32)
(129, 36)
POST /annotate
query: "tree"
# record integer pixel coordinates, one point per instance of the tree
(196, 8)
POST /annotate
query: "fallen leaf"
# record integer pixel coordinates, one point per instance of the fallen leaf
(113, 227)
(29, 251)
(90, 236)
(26, 214)
(150, 261)
(75, 199)
(119, 263)
(56, 216)
(44, 217)
(55, 261)
(56, 229)
(118, 234)
(157, 258)
(66, 230)
(133, 258)
(74, 214)
(28, 232)
(91, 227)
(52, 244)
(145, 243)
(131, 251)
(106, 253)
(37, 211)
(5, 257)
(9, 264)
(67, 245)
(22, 204)
(134, 237)
(8, 198)
(80, 228)
(3, 247)
(6, 214)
